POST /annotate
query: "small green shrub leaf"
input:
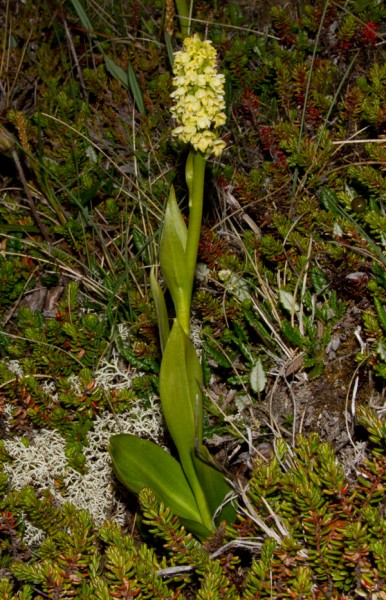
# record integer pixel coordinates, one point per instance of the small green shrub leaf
(258, 378)
(288, 301)
(292, 334)
(380, 312)
(329, 200)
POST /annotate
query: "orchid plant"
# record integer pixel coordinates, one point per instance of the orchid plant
(192, 486)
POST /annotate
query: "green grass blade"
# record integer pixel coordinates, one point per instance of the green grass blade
(160, 307)
(169, 48)
(129, 79)
(116, 71)
(136, 90)
(184, 14)
(85, 21)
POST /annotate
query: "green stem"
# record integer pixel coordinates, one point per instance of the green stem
(199, 494)
(183, 13)
(196, 200)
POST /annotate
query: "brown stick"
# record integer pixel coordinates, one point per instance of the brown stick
(31, 203)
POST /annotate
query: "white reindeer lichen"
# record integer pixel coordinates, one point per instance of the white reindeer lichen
(43, 461)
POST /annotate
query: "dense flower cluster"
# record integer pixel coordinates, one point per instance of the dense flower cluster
(199, 96)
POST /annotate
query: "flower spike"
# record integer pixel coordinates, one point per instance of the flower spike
(199, 97)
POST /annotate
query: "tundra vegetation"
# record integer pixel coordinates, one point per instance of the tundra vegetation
(241, 351)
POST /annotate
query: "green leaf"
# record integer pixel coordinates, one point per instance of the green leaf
(214, 485)
(141, 243)
(292, 334)
(316, 370)
(180, 391)
(183, 13)
(218, 356)
(380, 312)
(85, 21)
(206, 371)
(198, 529)
(172, 258)
(329, 200)
(129, 79)
(181, 400)
(160, 307)
(169, 48)
(258, 378)
(142, 464)
(288, 301)
(174, 219)
(136, 90)
(319, 279)
(116, 71)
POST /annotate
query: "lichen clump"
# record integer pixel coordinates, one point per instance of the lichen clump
(199, 96)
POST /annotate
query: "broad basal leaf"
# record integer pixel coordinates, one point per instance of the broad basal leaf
(181, 399)
(142, 464)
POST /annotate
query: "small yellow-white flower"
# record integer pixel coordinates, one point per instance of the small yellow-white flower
(199, 96)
